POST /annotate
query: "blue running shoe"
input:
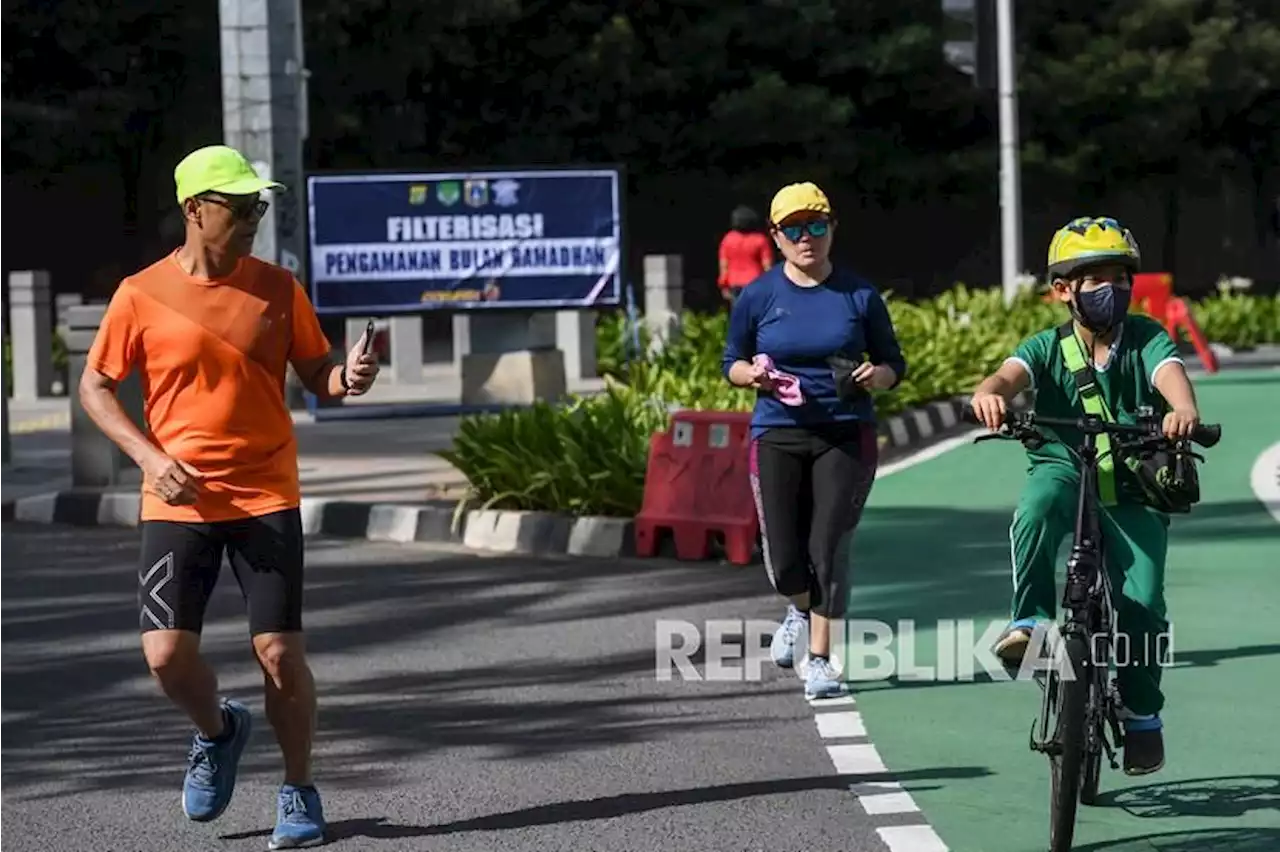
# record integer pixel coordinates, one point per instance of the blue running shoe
(212, 764)
(299, 818)
(1012, 644)
(783, 647)
(822, 680)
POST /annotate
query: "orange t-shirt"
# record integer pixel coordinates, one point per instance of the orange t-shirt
(746, 256)
(212, 355)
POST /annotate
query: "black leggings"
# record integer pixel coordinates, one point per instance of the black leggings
(810, 486)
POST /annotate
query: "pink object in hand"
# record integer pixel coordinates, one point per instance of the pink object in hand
(786, 387)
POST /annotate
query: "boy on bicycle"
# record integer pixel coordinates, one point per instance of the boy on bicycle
(1134, 364)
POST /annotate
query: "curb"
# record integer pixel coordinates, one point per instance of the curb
(502, 531)
(499, 531)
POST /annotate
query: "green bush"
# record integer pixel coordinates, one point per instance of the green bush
(1239, 320)
(589, 456)
(585, 458)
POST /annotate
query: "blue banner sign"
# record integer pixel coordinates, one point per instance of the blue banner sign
(409, 242)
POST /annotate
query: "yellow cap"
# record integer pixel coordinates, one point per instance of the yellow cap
(798, 198)
(217, 168)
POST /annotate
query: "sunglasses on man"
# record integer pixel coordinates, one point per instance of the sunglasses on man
(245, 209)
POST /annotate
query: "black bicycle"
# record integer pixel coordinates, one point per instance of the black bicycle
(1081, 701)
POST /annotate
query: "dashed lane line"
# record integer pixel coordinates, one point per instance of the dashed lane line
(853, 755)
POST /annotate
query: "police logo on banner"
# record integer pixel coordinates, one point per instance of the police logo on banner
(504, 192)
(475, 193)
(448, 193)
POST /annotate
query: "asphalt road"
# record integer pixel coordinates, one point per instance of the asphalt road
(467, 703)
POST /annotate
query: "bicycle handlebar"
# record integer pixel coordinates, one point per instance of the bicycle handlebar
(1206, 435)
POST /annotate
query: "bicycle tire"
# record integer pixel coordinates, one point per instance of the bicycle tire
(1090, 776)
(1091, 769)
(1067, 765)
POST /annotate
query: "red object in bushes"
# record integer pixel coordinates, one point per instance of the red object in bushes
(1153, 295)
(698, 482)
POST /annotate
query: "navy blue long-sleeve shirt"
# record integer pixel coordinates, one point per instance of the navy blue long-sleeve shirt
(799, 327)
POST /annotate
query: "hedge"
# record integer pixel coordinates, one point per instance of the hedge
(588, 457)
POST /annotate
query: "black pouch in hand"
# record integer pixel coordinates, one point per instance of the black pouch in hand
(847, 389)
(1169, 482)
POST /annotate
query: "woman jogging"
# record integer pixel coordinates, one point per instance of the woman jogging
(798, 335)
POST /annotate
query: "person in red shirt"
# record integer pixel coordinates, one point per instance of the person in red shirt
(745, 253)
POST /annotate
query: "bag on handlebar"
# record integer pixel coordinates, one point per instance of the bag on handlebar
(1170, 482)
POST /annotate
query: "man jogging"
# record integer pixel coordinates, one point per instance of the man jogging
(211, 330)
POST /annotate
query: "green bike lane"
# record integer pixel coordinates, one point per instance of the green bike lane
(933, 547)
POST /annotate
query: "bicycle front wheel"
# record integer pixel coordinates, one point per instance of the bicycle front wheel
(1067, 761)
(1095, 731)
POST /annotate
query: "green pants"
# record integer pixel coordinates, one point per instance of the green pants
(1136, 539)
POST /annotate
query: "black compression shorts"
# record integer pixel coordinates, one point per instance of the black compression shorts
(181, 562)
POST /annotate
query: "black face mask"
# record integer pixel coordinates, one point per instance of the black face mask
(1103, 309)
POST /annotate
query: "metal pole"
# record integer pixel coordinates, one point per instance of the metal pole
(1010, 191)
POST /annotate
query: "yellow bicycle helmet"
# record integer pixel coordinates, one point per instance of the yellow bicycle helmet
(1089, 241)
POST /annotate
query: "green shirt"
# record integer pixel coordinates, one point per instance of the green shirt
(1141, 348)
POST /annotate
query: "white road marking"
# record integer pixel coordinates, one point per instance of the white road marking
(860, 759)
(835, 725)
(911, 838)
(1265, 479)
(929, 453)
(888, 803)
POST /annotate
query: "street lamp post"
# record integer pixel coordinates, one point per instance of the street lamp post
(1010, 177)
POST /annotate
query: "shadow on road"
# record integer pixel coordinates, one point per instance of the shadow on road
(611, 807)
(81, 712)
(1204, 840)
(1231, 796)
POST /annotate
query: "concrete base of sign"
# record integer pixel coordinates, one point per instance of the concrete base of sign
(513, 378)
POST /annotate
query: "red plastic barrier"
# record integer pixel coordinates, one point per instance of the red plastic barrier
(1152, 292)
(698, 482)
(1153, 295)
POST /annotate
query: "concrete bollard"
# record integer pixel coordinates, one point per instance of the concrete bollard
(576, 338)
(62, 303)
(663, 297)
(96, 462)
(6, 448)
(31, 334)
(405, 337)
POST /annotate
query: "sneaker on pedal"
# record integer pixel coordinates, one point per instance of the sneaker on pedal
(821, 679)
(299, 818)
(212, 765)
(1143, 745)
(1011, 646)
(783, 647)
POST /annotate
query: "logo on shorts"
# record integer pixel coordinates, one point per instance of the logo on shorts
(163, 568)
